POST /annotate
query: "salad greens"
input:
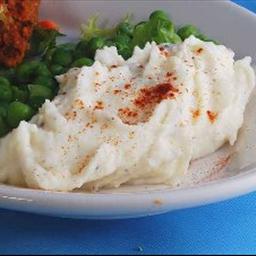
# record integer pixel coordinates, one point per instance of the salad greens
(91, 29)
(41, 40)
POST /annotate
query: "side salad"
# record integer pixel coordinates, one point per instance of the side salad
(25, 88)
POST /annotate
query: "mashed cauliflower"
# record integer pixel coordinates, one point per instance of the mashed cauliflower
(139, 121)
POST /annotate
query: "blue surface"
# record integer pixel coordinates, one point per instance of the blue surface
(249, 4)
(223, 228)
(228, 227)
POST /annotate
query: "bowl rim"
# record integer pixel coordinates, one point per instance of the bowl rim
(245, 176)
(200, 194)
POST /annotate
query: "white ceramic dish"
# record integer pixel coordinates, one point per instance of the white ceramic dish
(222, 20)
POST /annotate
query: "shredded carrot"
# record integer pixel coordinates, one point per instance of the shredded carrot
(48, 24)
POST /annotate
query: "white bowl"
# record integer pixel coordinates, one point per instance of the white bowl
(221, 20)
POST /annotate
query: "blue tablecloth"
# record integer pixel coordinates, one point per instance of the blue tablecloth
(227, 227)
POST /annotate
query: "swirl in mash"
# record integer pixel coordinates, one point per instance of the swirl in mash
(139, 121)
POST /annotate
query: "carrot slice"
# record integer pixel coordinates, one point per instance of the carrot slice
(48, 24)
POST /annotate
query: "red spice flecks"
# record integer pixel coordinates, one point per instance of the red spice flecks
(217, 169)
(116, 91)
(169, 74)
(127, 112)
(212, 116)
(196, 114)
(71, 115)
(81, 164)
(127, 86)
(155, 94)
(79, 104)
(199, 50)
(69, 138)
(89, 125)
(128, 116)
(164, 52)
(104, 126)
(158, 202)
(99, 105)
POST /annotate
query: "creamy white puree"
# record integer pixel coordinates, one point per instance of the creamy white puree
(139, 121)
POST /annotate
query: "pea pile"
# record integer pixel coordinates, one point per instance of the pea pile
(25, 88)
(125, 36)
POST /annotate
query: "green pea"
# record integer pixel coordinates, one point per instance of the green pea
(176, 39)
(94, 44)
(2, 70)
(48, 55)
(81, 49)
(82, 62)
(202, 37)
(141, 34)
(57, 69)
(42, 70)
(213, 41)
(109, 43)
(4, 81)
(122, 38)
(18, 111)
(11, 75)
(173, 39)
(122, 43)
(158, 14)
(140, 24)
(125, 28)
(206, 39)
(62, 56)
(68, 46)
(187, 31)
(126, 52)
(8, 73)
(24, 87)
(38, 94)
(3, 109)
(25, 71)
(4, 129)
(162, 31)
(46, 81)
(5, 92)
(19, 95)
